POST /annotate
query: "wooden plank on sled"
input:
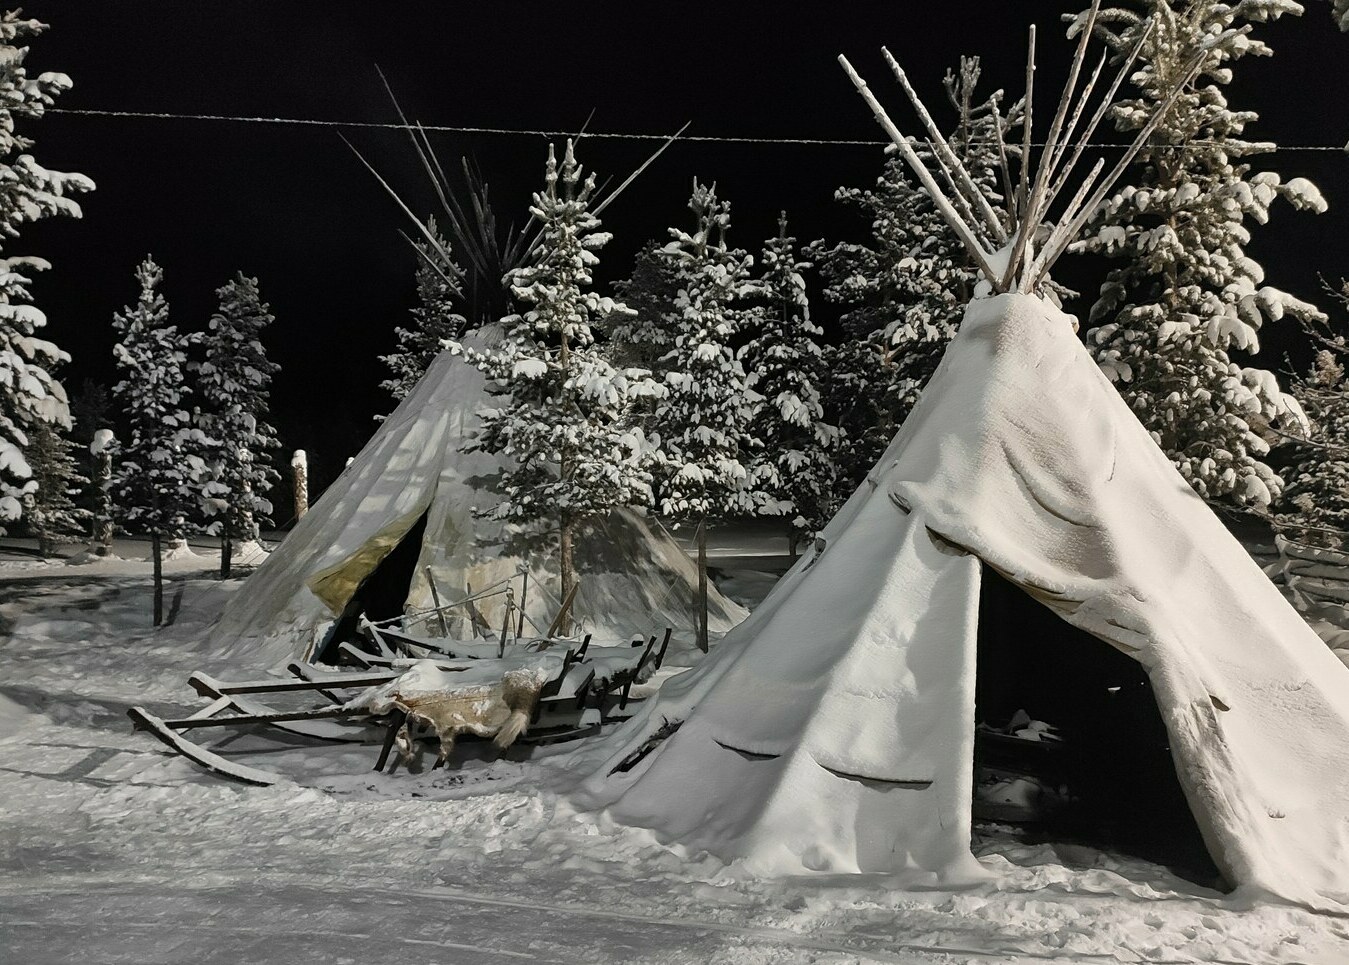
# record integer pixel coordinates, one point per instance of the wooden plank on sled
(208, 686)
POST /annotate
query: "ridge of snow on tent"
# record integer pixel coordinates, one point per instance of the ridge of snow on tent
(636, 579)
(801, 743)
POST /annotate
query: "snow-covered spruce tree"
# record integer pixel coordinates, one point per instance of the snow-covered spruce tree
(794, 469)
(50, 511)
(903, 292)
(434, 320)
(30, 396)
(1183, 309)
(233, 384)
(159, 468)
(570, 453)
(643, 338)
(703, 424)
(1315, 504)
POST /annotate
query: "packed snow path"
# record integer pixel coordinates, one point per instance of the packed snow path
(113, 850)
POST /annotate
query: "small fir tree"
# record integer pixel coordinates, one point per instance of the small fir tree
(1183, 309)
(904, 291)
(233, 388)
(159, 464)
(435, 319)
(571, 454)
(703, 422)
(30, 396)
(794, 469)
(50, 509)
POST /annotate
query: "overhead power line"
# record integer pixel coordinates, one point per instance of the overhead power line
(592, 135)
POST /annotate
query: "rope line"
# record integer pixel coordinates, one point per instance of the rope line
(593, 135)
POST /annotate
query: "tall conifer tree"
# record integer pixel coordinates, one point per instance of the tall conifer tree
(30, 395)
(1178, 318)
(159, 466)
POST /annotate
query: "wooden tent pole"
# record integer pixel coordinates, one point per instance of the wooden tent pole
(435, 599)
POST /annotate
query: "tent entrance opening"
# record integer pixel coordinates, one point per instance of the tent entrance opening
(1070, 746)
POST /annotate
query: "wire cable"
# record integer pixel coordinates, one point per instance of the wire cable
(526, 132)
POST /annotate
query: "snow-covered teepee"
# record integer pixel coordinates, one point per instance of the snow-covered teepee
(834, 729)
(405, 516)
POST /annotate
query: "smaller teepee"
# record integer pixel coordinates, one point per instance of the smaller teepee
(834, 730)
(403, 517)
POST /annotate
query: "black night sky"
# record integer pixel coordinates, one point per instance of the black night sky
(293, 206)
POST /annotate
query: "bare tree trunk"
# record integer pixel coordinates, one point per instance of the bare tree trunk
(226, 551)
(567, 567)
(565, 534)
(155, 552)
(702, 585)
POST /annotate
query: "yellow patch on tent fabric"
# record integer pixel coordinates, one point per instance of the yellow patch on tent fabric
(337, 584)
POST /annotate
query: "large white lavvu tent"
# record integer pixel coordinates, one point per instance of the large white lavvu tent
(413, 484)
(834, 729)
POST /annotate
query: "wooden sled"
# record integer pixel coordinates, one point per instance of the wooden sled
(573, 704)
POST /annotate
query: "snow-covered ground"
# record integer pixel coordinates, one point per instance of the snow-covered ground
(113, 850)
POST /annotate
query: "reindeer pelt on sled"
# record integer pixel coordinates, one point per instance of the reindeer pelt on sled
(502, 712)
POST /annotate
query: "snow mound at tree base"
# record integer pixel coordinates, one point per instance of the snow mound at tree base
(177, 550)
(249, 552)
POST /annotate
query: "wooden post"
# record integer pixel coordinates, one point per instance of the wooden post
(524, 598)
(299, 470)
(435, 599)
(702, 585)
(155, 551)
(506, 622)
(562, 613)
(226, 551)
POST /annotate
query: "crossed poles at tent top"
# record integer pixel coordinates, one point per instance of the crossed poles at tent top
(1016, 247)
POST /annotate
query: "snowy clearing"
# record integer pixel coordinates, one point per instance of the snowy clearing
(116, 851)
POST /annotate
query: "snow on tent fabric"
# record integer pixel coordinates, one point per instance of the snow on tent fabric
(833, 730)
(412, 476)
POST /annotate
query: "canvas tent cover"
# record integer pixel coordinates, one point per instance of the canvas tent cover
(635, 580)
(834, 729)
